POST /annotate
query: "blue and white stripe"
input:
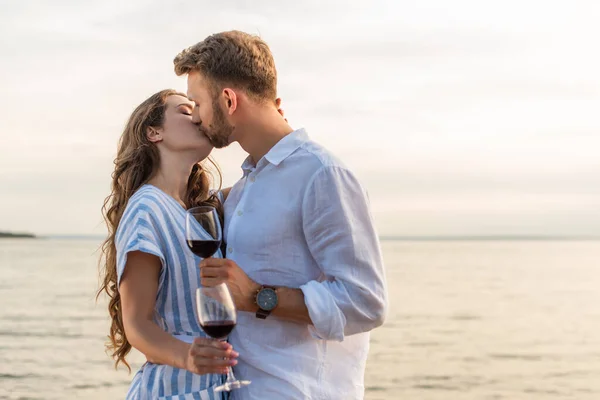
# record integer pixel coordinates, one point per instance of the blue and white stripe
(154, 222)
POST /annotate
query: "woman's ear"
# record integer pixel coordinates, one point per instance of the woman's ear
(153, 135)
(231, 100)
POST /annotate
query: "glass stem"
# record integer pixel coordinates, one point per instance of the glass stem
(230, 377)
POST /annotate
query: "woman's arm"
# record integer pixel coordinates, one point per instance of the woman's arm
(138, 289)
(225, 192)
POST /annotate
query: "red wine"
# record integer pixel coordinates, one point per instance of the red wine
(204, 248)
(218, 329)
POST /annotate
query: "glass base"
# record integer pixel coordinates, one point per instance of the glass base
(229, 386)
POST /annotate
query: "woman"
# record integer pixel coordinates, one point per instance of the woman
(150, 274)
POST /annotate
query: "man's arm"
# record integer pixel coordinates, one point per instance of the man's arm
(291, 305)
(340, 234)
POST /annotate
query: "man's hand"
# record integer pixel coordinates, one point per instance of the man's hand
(215, 271)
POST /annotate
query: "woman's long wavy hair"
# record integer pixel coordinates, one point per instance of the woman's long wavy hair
(137, 161)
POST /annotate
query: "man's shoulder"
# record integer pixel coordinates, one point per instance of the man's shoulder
(319, 155)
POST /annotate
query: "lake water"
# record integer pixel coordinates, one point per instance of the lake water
(467, 320)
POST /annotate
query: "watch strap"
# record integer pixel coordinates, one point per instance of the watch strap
(262, 314)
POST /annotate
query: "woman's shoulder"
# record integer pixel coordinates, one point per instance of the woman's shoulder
(145, 203)
(146, 194)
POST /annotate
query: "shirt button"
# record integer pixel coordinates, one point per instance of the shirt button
(252, 179)
(240, 212)
(230, 249)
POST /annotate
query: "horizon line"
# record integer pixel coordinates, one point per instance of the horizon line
(388, 238)
(487, 237)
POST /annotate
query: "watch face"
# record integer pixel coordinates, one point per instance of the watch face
(266, 299)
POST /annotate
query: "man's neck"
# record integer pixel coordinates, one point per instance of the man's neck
(261, 134)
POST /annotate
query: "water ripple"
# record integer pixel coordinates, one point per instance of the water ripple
(375, 389)
(425, 344)
(95, 385)
(42, 334)
(522, 357)
(19, 318)
(432, 386)
(465, 317)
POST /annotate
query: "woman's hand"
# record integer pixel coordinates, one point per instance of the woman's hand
(210, 356)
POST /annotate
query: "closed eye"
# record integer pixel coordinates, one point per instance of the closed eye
(185, 108)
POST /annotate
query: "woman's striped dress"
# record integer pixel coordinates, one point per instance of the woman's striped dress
(154, 222)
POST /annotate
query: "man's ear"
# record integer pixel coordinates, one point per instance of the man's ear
(153, 135)
(230, 99)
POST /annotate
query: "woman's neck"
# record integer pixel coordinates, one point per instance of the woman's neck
(172, 178)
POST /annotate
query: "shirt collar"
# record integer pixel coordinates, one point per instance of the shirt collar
(247, 166)
(286, 146)
(282, 149)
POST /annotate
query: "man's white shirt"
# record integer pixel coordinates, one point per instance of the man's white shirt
(299, 218)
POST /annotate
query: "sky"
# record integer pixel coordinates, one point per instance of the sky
(459, 118)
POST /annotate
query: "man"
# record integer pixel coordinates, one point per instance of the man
(303, 260)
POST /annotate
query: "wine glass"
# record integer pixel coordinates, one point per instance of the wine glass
(216, 310)
(203, 230)
(217, 316)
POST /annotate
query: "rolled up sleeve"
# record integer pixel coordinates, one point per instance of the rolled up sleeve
(341, 236)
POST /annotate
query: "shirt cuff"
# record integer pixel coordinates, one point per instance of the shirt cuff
(328, 320)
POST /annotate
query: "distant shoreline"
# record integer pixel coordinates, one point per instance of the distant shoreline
(12, 235)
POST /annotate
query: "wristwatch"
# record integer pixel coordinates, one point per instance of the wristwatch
(266, 299)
